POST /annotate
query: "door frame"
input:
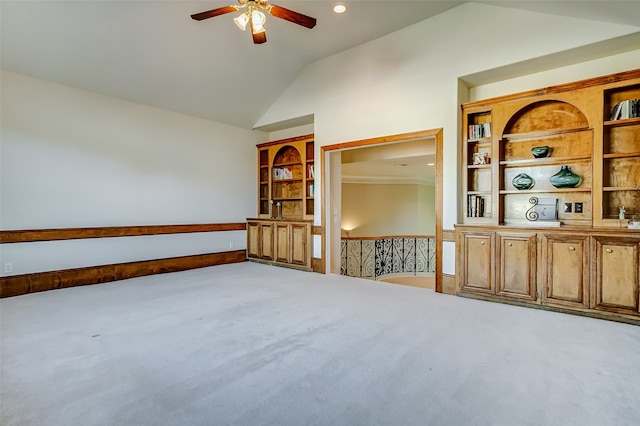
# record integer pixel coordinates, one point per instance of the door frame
(436, 134)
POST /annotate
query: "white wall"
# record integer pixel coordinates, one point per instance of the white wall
(71, 158)
(408, 80)
(373, 210)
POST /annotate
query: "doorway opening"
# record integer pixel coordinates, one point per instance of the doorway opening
(331, 169)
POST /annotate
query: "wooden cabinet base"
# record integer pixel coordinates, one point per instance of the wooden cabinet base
(588, 271)
(280, 242)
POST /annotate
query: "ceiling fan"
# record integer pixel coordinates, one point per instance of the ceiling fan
(252, 14)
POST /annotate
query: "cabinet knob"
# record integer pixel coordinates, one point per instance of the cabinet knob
(510, 244)
(609, 251)
(482, 243)
(572, 248)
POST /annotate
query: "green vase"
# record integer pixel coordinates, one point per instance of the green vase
(523, 181)
(540, 151)
(565, 178)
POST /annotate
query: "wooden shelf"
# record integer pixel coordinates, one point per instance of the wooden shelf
(622, 155)
(521, 137)
(276, 165)
(479, 166)
(547, 161)
(543, 191)
(295, 155)
(623, 122)
(481, 141)
(619, 188)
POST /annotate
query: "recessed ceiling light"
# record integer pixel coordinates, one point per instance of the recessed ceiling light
(339, 8)
(431, 164)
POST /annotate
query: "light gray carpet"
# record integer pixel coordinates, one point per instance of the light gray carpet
(249, 344)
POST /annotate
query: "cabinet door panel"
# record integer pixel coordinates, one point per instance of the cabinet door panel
(266, 246)
(617, 274)
(253, 240)
(282, 242)
(299, 240)
(478, 262)
(567, 261)
(516, 260)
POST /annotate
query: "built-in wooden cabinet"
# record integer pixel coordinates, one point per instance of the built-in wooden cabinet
(284, 243)
(281, 234)
(286, 171)
(571, 269)
(579, 125)
(525, 238)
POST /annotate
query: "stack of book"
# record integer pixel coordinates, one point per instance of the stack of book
(282, 173)
(475, 206)
(626, 109)
(478, 131)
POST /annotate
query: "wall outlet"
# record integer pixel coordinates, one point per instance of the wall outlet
(567, 207)
(578, 207)
(8, 267)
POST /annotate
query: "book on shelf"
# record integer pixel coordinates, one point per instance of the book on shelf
(281, 173)
(475, 206)
(311, 171)
(629, 108)
(478, 131)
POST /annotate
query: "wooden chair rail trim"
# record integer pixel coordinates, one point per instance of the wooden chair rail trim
(33, 235)
(17, 285)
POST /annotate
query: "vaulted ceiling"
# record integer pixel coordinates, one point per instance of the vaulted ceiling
(152, 52)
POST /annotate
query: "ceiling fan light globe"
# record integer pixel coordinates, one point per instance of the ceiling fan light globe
(258, 18)
(241, 21)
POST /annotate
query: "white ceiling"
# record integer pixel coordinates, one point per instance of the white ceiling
(151, 52)
(411, 162)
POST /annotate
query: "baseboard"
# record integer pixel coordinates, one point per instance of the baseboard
(42, 281)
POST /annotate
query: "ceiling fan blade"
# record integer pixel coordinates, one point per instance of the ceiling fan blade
(291, 16)
(260, 38)
(215, 12)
